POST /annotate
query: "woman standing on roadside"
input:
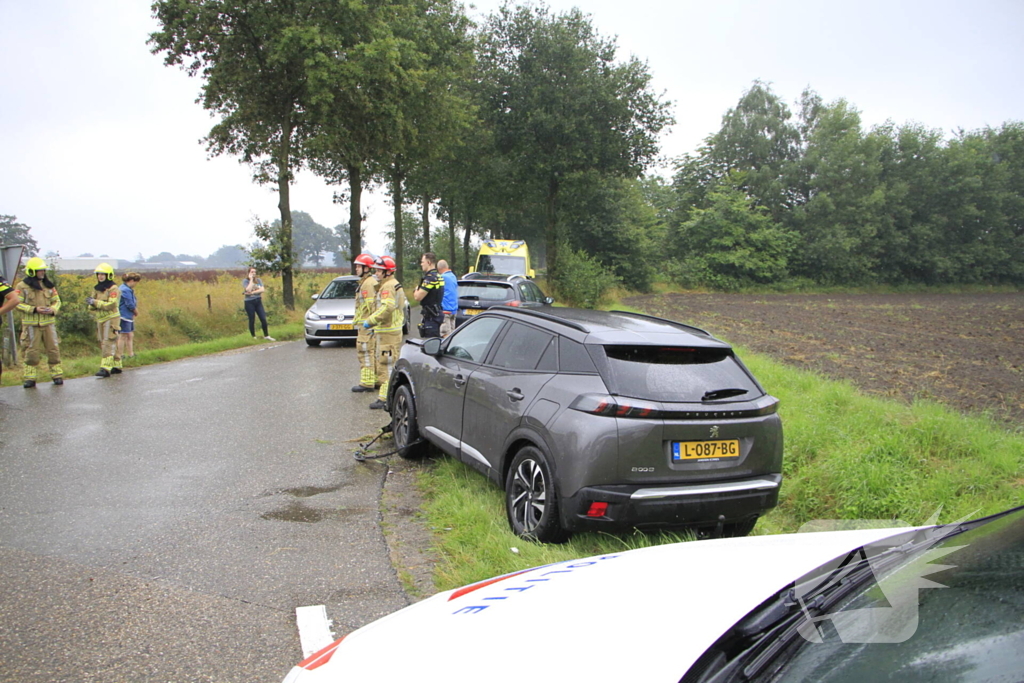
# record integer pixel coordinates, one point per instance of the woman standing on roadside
(129, 309)
(252, 288)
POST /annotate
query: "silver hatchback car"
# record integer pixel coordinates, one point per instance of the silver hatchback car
(331, 317)
(595, 420)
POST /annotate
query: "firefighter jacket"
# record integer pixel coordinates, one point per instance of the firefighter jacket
(389, 314)
(106, 304)
(30, 299)
(366, 298)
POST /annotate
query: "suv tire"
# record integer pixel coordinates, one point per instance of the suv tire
(531, 501)
(403, 424)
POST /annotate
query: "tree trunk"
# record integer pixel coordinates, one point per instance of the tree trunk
(551, 229)
(451, 234)
(355, 212)
(284, 182)
(465, 241)
(426, 223)
(396, 197)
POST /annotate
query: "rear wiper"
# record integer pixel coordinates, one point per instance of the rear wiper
(722, 393)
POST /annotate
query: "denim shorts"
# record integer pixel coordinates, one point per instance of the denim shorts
(127, 326)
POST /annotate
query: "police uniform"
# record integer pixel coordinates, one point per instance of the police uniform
(38, 328)
(366, 348)
(430, 306)
(387, 321)
(106, 310)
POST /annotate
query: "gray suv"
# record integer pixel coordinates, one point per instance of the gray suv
(595, 420)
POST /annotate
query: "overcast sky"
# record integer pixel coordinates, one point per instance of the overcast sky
(101, 148)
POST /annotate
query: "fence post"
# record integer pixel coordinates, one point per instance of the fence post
(209, 304)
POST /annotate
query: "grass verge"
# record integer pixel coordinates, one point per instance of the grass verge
(847, 456)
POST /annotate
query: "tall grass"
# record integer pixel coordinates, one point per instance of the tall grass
(847, 456)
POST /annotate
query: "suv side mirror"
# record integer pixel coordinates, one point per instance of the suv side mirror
(548, 300)
(432, 347)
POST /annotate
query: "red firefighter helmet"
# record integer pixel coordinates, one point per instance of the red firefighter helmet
(364, 260)
(385, 263)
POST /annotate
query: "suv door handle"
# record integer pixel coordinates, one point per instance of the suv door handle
(514, 395)
(459, 380)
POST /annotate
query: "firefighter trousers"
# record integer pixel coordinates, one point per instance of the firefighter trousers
(32, 338)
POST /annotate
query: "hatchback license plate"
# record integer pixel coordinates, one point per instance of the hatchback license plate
(473, 311)
(702, 450)
(342, 326)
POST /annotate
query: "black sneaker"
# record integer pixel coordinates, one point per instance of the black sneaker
(378, 404)
(58, 380)
(359, 387)
(115, 371)
(29, 383)
(103, 372)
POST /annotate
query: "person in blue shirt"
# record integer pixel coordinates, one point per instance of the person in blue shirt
(129, 308)
(450, 302)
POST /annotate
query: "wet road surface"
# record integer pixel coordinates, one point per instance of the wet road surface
(164, 524)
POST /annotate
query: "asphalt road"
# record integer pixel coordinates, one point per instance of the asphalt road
(164, 524)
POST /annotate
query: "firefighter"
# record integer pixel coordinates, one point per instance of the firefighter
(386, 322)
(105, 307)
(366, 347)
(39, 304)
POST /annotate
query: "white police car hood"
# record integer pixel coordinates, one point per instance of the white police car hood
(639, 615)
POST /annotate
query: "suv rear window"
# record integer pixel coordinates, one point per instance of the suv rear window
(485, 292)
(675, 374)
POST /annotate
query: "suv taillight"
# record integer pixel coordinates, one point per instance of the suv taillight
(597, 404)
(618, 406)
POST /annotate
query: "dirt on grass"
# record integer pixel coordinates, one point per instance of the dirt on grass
(963, 350)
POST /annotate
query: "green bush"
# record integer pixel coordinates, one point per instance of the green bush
(581, 280)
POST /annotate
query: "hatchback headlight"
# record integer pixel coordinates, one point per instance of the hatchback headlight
(312, 315)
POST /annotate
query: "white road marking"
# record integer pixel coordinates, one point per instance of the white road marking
(314, 628)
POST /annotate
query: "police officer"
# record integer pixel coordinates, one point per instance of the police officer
(386, 322)
(39, 304)
(366, 347)
(430, 294)
(105, 307)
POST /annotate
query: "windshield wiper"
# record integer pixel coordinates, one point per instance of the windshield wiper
(722, 393)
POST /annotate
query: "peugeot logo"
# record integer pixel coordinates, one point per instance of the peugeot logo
(714, 432)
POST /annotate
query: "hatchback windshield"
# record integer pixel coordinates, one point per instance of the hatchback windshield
(341, 289)
(676, 374)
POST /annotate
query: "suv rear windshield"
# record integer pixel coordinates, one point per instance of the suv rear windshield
(675, 374)
(485, 292)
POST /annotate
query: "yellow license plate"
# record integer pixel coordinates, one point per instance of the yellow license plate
(473, 311)
(340, 326)
(704, 450)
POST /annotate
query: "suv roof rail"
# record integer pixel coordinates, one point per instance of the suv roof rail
(664, 320)
(546, 316)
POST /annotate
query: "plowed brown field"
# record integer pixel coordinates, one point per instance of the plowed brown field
(963, 350)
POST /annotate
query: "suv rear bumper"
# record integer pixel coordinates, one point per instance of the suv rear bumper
(673, 505)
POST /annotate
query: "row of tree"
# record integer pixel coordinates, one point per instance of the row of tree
(487, 128)
(815, 197)
(527, 126)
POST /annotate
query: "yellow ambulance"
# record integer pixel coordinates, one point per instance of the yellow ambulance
(503, 257)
